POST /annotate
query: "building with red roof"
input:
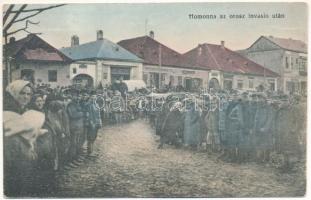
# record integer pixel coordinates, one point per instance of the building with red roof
(229, 69)
(162, 65)
(207, 65)
(34, 59)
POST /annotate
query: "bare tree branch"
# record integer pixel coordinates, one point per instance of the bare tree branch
(15, 19)
(23, 29)
(32, 32)
(34, 23)
(39, 9)
(5, 29)
(7, 13)
(27, 17)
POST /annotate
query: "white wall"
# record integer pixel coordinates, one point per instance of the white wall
(100, 70)
(89, 70)
(41, 73)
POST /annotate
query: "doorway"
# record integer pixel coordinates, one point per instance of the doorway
(188, 84)
(83, 80)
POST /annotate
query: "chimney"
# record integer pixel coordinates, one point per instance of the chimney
(74, 40)
(100, 35)
(151, 34)
(12, 39)
(222, 44)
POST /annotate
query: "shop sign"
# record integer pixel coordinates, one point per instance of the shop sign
(188, 72)
(157, 69)
(119, 70)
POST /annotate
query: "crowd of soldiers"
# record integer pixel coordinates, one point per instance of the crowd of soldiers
(244, 127)
(240, 127)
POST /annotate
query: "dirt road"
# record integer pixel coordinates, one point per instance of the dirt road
(127, 163)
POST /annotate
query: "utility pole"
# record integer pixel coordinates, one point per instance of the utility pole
(160, 64)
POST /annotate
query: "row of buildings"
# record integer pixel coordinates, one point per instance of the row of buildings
(271, 63)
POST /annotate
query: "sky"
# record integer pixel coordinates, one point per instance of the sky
(170, 23)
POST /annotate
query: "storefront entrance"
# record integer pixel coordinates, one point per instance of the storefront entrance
(213, 83)
(188, 84)
(83, 80)
(155, 80)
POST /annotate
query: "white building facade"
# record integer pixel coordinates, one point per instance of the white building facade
(287, 57)
(104, 71)
(101, 62)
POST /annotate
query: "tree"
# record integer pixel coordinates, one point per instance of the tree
(15, 14)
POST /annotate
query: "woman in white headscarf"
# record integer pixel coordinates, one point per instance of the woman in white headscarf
(19, 154)
(17, 97)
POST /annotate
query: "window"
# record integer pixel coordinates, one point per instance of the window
(290, 86)
(286, 63)
(179, 80)
(52, 75)
(228, 84)
(240, 84)
(271, 84)
(163, 77)
(28, 75)
(197, 83)
(251, 83)
(74, 70)
(172, 80)
(302, 65)
(105, 76)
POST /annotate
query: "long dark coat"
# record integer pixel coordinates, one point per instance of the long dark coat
(172, 126)
(76, 121)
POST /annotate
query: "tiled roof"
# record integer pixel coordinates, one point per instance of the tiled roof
(217, 57)
(99, 49)
(289, 44)
(33, 48)
(149, 49)
(41, 54)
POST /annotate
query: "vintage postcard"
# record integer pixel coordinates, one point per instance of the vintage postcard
(145, 99)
